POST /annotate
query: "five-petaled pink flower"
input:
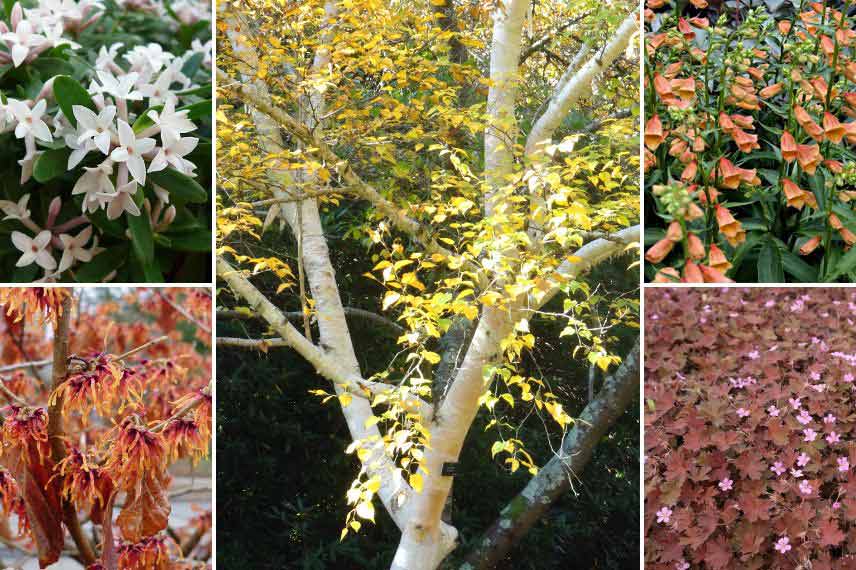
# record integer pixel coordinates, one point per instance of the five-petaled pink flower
(804, 418)
(795, 403)
(796, 473)
(810, 434)
(832, 437)
(829, 419)
(778, 468)
(773, 411)
(754, 355)
(663, 515)
(726, 484)
(682, 565)
(783, 544)
(848, 377)
(803, 460)
(805, 487)
(843, 464)
(743, 412)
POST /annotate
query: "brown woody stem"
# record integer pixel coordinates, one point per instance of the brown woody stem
(56, 430)
(141, 348)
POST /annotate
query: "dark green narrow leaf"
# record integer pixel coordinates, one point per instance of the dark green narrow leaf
(199, 241)
(770, 268)
(141, 233)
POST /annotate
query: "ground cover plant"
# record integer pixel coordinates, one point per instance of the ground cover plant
(102, 393)
(750, 432)
(749, 134)
(105, 129)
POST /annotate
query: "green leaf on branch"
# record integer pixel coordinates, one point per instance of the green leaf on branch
(68, 93)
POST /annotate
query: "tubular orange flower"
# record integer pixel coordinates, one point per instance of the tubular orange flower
(814, 130)
(796, 196)
(771, 90)
(658, 252)
(832, 128)
(729, 174)
(717, 259)
(685, 28)
(810, 245)
(689, 173)
(692, 274)
(696, 247)
(745, 141)
(700, 4)
(809, 157)
(684, 88)
(789, 147)
(730, 228)
(725, 123)
(848, 236)
(701, 23)
(712, 275)
(675, 232)
(654, 135)
(743, 121)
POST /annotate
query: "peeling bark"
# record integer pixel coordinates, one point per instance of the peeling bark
(555, 478)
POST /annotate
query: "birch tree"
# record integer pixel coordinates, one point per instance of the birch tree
(481, 211)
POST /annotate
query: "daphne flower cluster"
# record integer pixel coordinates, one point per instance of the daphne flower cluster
(133, 119)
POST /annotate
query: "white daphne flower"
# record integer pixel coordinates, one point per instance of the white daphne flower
(34, 249)
(74, 248)
(30, 123)
(21, 40)
(78, 150)
(173, 153)
(131, 151)
(55, 36)
(123, 201)
(151, 58)
(97, 128)
(172, 123)
(107, 57)
(95, 184)
(16, 210)
(119, 87)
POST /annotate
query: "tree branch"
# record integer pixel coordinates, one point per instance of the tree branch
(184, 313)
(578, 85)
(547, 39)
(555, 478)
(56, 430)
(378, 462)
(351, 179)
(349, 311)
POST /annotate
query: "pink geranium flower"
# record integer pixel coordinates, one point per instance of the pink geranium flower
(726, 484)
(783, 544)
(810, 434)
(664, 515)
(843, 464)
(832, 437)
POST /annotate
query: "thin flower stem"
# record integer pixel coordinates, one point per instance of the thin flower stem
(185, 313)
(182, 411)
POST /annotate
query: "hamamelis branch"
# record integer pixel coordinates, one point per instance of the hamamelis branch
(56, 431)
(349, 311)
(142, 347)
(183, 410)
(185, 313)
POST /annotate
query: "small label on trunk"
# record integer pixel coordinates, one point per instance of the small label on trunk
(450, 469)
